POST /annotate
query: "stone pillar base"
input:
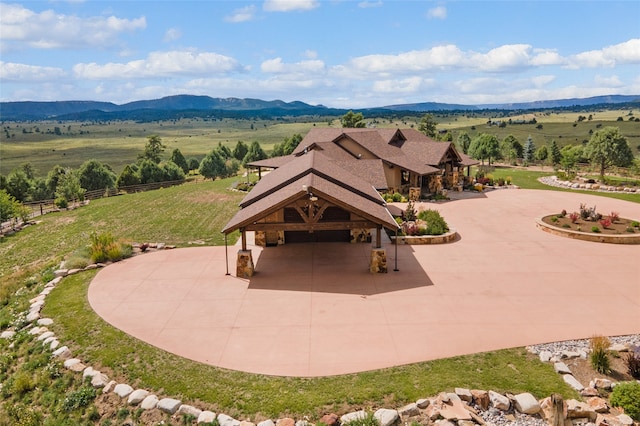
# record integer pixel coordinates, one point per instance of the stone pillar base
(378, 261)
(244, 265)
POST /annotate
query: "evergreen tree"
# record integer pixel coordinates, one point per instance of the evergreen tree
(255, 153)
(464, 141)
(606, 148)
(153, 149)
(556, 156)
(178, 159)
(94, 175)
(352, 120)
(129, 176)
(428, 125)
(529, 151)
(240, 151)
(213, 166)
(224, 151)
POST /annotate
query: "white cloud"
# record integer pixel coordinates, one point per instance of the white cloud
(172, 34)
(369, 4)
(243, 14)
(610, 81)
(25, 73)
(503, 58)
(160, 64)
(544, 57)
(49, 30)
(627, 52)
(289, 5)
(276, 66)
(439, 12)
(411, 85)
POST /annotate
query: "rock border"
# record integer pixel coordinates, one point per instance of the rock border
(554, 181)
(463, 407)
(445, 238)
(588, 236)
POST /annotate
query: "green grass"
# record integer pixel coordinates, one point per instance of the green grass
(190, 212)
(244, 394)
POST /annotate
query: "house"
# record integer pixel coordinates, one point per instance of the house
(329, 188)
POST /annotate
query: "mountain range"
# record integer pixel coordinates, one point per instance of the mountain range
(194, 106)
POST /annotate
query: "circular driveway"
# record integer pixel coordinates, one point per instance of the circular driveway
(315, 310)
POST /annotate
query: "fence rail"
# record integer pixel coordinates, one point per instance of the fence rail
(42, 207)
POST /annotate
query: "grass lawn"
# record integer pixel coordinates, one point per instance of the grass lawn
(190, 212)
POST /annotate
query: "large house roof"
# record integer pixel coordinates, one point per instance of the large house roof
(311, 172)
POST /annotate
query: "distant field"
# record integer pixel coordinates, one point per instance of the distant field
(118, 143)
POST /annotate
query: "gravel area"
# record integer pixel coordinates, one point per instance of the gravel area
(583, 344)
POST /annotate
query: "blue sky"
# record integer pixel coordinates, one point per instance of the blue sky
(339, 53)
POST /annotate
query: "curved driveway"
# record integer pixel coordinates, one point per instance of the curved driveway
(315, 310)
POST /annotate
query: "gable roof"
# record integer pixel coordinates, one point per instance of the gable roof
(311, 172)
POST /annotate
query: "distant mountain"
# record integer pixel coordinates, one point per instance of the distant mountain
(77, 109)
(559, 103)
(185, 106)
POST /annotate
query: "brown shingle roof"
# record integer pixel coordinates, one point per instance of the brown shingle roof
(322, 177)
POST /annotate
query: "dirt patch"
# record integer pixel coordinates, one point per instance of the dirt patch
(584, 372)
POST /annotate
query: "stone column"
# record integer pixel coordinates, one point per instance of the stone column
(244, 265)
(378, 261)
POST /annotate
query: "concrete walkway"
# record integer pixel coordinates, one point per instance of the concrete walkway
(315, 310)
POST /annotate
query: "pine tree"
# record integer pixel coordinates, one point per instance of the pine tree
(529, 151)
(556, 156)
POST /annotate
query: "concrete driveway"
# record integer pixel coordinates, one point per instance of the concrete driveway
(315, 310)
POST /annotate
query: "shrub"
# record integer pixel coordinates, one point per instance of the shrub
(614, 216)
(574, 217)
(627, 396)
(630, 229)
(436, 224)
(635, 224)
(566, 225)
(554, 219)
(397, 197)
(632, 361)
(595, 229)
(104, 247)
(79, 398)
(61, 203)
(599, 356)
(563, 213)
(368, 420)
(606, 222)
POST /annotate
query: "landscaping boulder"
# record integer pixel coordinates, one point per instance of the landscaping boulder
(225, 420)
(137, 396)
(409, 410)
(150, 402)
(499, 401)
(561, 368)
(464, 394)
(328, 419)
(580, 410)
(123, 390)
(189, 410)
(99, 380)
(386, 417)
(170, 405)
(573, 382)
(481, 398)
(526, 403)
(209, 417)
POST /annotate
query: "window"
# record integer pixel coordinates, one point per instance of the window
(404, 177)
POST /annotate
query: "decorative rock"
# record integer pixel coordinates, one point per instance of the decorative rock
(545, 356)
(189, 410)
(48, 340)
(62, 352)
(590, 391)
(170, 405)
(59, 273)
(579, 410)
(123, 390)
(499, 401)
(37, 330)
(271, 423)
(109, 386)
(561, 368)
(248, 423)
(444, 423)
(526, 403)
(151, 402)
(99, 380)
(45, 321)
(422, 403)
(328, 419)
(89, 372)
(386, 417)
(456, 410)
(481, 398)
(573, 382)
(73, 271)
(74, 364)
(464, 394)
(137, 396)
(355, 415)
(619, 347)
(209, 417)
(7, 334)
(409, 410)
(225, 420)
(625, 420)
(54, 344)
(298, 423)
(599, 405)
(602, 383)
(45, 335)
(286, 421)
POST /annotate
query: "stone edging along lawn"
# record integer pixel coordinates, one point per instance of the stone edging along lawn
(464, 405)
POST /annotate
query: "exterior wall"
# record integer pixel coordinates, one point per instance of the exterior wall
(263, 238)
(392, 175)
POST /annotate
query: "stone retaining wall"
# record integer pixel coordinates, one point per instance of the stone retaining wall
(585, 236)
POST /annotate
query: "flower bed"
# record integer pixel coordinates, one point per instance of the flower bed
(588, 225)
